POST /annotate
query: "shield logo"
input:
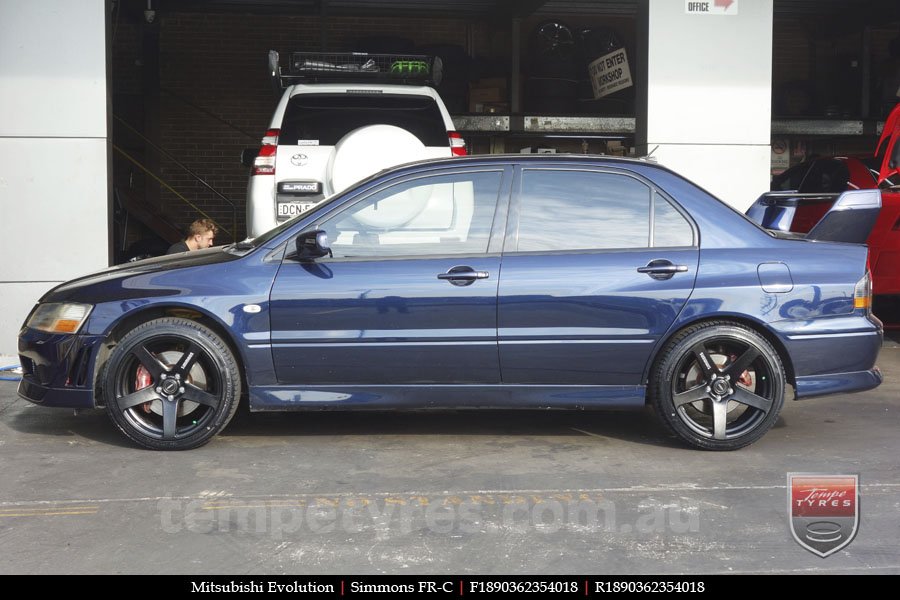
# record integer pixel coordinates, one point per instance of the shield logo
(824, 510)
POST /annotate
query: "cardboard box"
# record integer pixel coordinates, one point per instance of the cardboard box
(485, 93)
(490, 82)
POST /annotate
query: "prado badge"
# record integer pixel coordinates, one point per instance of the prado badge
(824, 510)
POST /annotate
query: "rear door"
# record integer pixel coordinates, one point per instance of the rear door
(596, 266)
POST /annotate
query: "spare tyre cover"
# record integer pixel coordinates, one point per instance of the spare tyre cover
(367, 150)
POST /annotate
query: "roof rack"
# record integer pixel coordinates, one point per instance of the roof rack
(355, 67)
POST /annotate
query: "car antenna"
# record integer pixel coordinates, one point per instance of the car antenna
(649, 156)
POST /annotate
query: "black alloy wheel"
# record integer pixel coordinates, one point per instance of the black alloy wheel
(718, 386)
(171, 384)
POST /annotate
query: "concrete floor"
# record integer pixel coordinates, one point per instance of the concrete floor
(455, 493)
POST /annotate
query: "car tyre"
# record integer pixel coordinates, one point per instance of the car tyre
(718, 386)
(171, 384)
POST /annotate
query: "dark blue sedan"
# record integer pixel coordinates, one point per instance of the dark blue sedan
(497, 281)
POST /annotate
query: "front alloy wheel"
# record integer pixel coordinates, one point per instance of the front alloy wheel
(171, 384)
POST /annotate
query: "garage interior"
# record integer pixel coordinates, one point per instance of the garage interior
(130, 116)
(190, 87)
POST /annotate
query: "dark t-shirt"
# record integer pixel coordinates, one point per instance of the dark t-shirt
(178, 247)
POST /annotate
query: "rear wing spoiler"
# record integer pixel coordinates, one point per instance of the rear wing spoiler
(355, 67)
(850, 218)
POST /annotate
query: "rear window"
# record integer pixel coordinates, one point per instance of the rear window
(329, 117)
(824, 175)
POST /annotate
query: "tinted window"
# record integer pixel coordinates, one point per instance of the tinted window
(329, 117)
(439, 215)
(826, 176)
(790, 179)
(670, 228)
(580, 210)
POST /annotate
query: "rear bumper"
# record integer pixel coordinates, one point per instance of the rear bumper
(832, 356)
(820, 385)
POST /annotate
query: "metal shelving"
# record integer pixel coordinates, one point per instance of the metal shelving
(542, 125)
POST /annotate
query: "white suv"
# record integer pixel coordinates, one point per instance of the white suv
(343, 117)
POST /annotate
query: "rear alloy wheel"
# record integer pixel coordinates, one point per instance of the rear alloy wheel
(171, 384)
(718, 386)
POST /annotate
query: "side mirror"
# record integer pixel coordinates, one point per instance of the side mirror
(312, 245)
(248, 155)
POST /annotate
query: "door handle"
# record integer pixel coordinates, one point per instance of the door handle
(662, 269)
(463, 275)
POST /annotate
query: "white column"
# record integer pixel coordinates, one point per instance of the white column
(54, 192)
(706, 107)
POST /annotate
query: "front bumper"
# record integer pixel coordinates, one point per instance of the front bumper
(57, 370)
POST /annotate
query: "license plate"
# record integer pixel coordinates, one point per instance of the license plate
(287, 210)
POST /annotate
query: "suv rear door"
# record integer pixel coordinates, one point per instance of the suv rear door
(314, 123)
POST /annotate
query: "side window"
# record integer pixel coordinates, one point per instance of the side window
(670, 228)
(826, 176)
(437, 215)
(584, 210)
(791, 178)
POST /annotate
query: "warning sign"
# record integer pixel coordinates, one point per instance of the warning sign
(610, 73)
(781, 158)
(711, 7)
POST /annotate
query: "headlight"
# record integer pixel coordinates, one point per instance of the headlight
(59, 317)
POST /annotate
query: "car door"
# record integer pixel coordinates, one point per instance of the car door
(596, 266)
(888, 147)
(410, 295)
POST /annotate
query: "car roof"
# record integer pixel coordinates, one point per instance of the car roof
(543, 159)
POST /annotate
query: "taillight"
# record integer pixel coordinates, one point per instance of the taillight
(264, 163)
(457, 143)
(862, 293)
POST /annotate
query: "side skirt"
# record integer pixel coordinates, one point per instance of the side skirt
(413, 397)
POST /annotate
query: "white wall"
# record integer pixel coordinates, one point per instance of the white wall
(709, 81)
(54, 193)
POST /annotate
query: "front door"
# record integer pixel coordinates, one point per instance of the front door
(410, 295)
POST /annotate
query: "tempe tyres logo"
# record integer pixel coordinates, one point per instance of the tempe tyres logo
(824, 510)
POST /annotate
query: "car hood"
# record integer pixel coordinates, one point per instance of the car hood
(73, 290)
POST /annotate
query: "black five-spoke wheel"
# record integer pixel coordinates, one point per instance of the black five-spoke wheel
(718, 386)
(171, 384)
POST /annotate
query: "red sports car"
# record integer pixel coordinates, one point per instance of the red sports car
(803, 194)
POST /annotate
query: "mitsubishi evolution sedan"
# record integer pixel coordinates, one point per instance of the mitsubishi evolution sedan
(528, 281)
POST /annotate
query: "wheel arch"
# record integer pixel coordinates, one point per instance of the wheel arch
(756, 326)
(133, 319)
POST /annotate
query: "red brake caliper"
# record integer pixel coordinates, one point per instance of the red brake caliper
(143, 379)
(744, 379)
